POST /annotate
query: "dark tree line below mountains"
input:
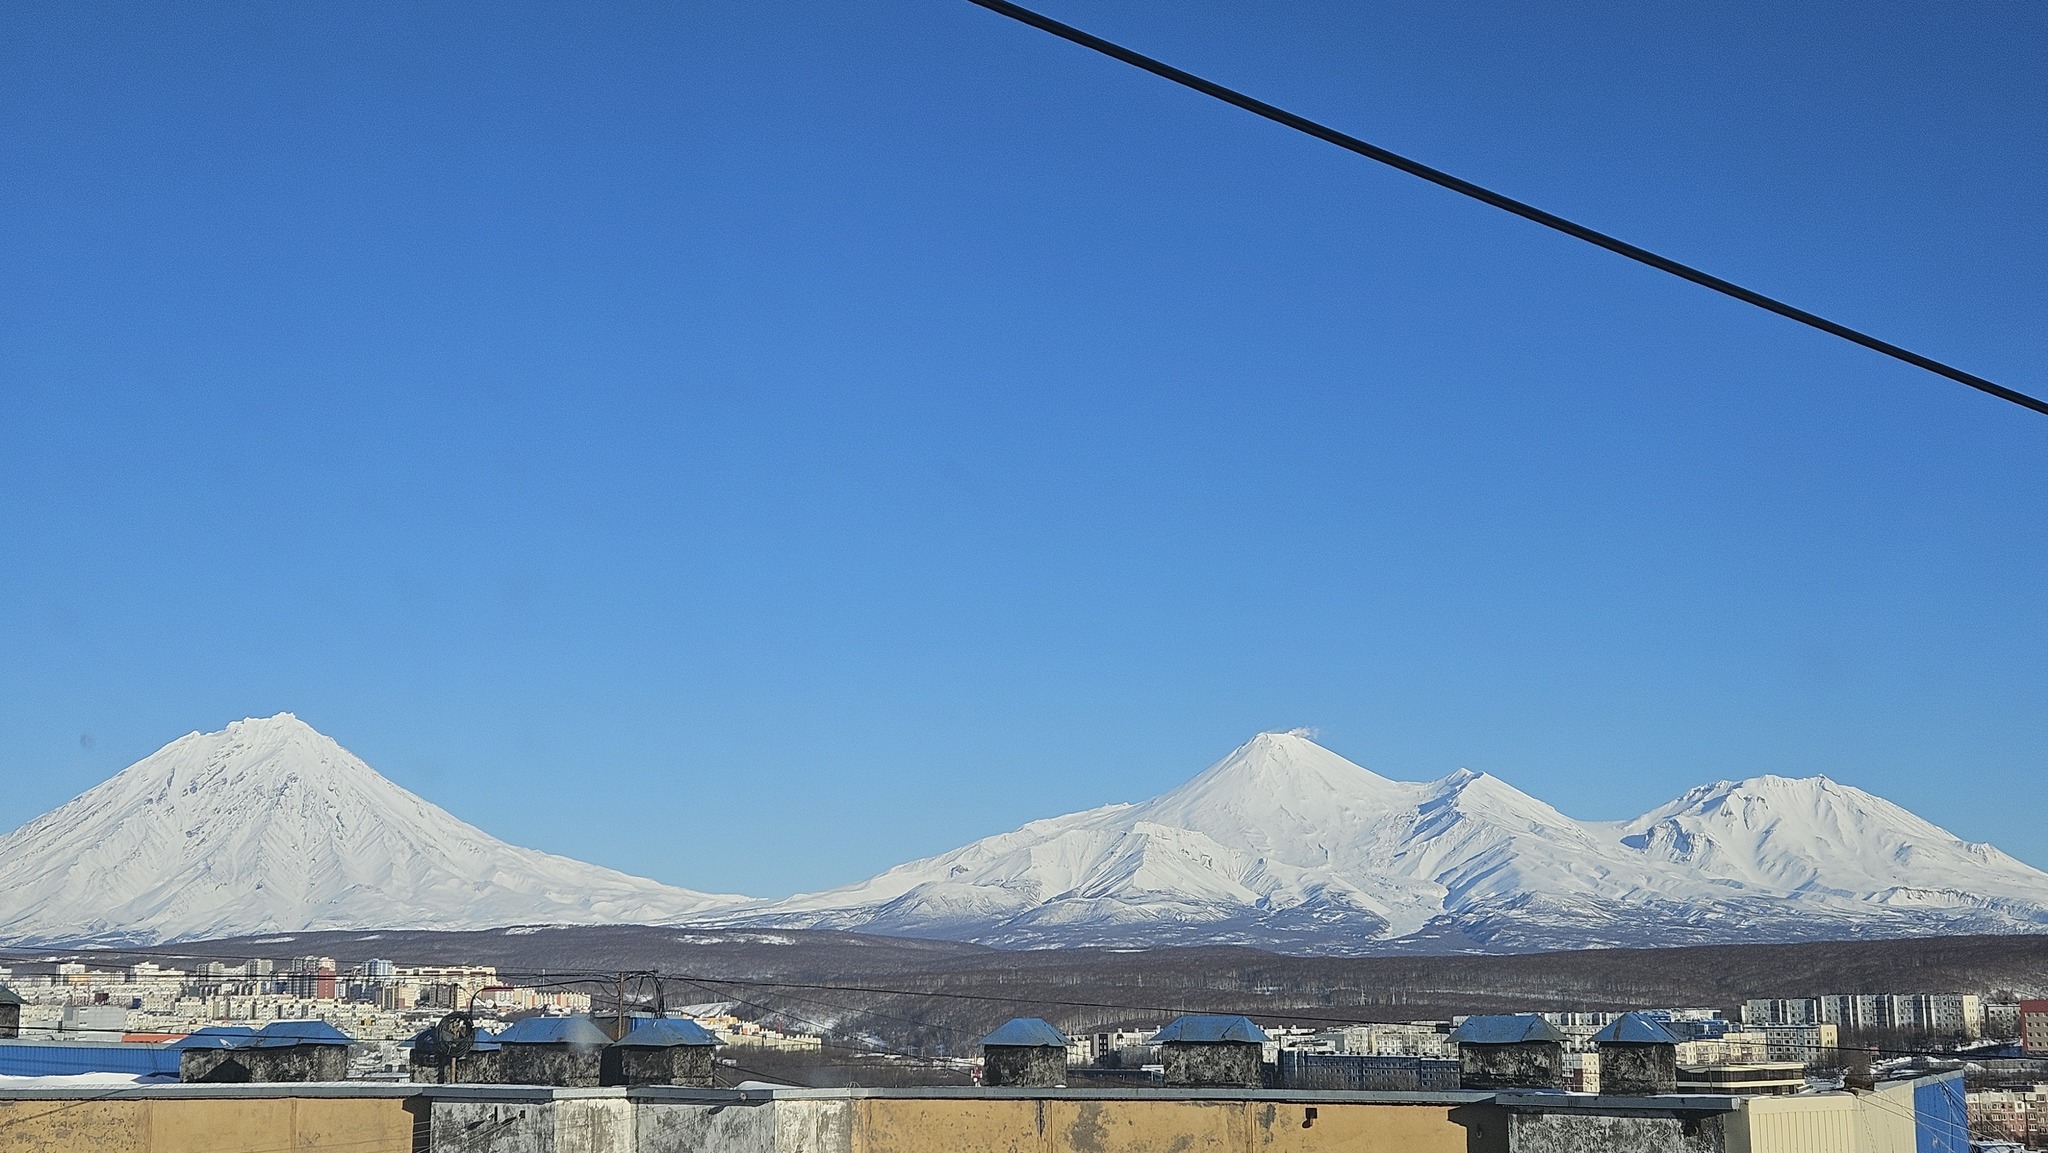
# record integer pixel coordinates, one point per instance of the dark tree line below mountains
(938, 998)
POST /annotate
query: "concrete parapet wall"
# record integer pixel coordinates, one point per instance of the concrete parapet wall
(400, 1118)
(1580, 1131)
(165, 1120)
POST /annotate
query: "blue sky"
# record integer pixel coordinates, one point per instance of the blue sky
(751, 445)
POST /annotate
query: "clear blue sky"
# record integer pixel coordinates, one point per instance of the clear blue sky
(751, 445)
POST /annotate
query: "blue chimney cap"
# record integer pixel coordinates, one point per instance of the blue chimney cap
(217, 1037)
(284, 1034)
(1636, 1029)
(1210, 1027)
(555, 1031)
(667, 1033)
(1510, 1029)
(1030, 1032)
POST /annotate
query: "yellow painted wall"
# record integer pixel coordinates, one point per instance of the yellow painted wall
(1833, 1123)
(68, 1126)
(970, 1125)
(245, 1125)
(1804, 1125)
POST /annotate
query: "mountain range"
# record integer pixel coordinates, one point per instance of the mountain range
(270, 826)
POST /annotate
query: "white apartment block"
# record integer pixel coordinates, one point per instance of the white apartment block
(1958, 1013)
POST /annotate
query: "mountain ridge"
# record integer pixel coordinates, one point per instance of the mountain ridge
(270, 826)
(1284, 844)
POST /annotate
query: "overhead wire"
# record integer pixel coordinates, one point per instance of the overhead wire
(1506, 203)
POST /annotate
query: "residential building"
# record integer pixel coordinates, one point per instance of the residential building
(2034, 1027)
(2002, 1020)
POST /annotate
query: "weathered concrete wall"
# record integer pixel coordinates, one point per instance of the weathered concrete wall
(1056, 1125)
(816, 1125)
(565, 1066)
(1217, 1064)
(1638, 1070)
(1583, 1132)
(1026, 1066)
(286, 1064)
(1525, 1065)
(493, 1126)
(674, 1065)
(487, 1120)
(482, 1067)
(10, 1021)
(595, 1125)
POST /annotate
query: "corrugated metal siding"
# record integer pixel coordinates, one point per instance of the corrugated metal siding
(34, 1059)
(1941, 1120)
(1832, 1124)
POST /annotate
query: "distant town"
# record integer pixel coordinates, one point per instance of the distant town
(67, 1018)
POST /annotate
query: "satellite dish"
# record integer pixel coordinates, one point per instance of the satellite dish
(454, 1036)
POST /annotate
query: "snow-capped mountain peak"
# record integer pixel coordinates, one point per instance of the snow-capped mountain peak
(1283, 843)
(269, 825)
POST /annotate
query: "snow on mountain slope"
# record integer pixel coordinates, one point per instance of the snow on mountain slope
(1764, 832)
(1286, 844)
(268, 825)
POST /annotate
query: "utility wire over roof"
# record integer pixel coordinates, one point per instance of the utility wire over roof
(554, 1031)
(1210, 1027)
(667, 1033)
(281, 1034)
(1027, 1032)
(1504, 202)
(1512, 1029)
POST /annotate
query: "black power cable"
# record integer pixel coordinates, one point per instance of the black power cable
(1504, 202)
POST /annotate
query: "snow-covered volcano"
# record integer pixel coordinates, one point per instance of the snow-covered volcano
(1285, 844)
(268, 826)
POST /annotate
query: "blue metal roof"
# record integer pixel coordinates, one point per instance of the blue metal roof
(283, 1034)
(483, 1041)
(217, 1037)
(667, 1033)
(1635, 1029)
(1030, 1032)
(69, 1058)
(555, 1031)
(1210, 1027)
(1505, 1030)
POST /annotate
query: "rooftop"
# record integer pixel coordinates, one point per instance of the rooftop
(1505, 1030)
(1027, 1031)
(1636, 1029)
(555, 1031)
(667, 1033)
(1210, 1028)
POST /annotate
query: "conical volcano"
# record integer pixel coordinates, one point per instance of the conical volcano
(268, 825)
